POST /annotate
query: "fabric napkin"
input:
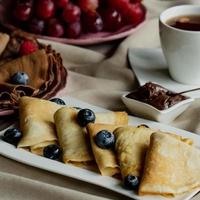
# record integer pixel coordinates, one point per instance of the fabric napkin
(99, 75)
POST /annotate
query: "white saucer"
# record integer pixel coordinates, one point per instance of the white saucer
(149, 64)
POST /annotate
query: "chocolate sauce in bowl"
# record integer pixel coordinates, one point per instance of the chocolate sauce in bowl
(156, 95)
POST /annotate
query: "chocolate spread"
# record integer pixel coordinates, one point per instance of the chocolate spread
(156, 95)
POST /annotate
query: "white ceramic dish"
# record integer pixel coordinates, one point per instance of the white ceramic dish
(147, 111)
(113, 184)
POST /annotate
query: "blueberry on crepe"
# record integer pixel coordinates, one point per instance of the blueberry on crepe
(105, 139)
(12, 136)
(131, 182)
(58, 101)
(85, 116)
(20, 78)
(105, 158)
(52, 151)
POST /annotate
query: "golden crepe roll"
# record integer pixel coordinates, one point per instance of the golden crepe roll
(105, 158)
(171, 167)
(37, 123)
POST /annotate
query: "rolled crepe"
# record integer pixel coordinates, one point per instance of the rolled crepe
(114, 118)
(37, 123)
(72, 137)
(105, 158)
(171, 167)
(4, 39)
(131, 146)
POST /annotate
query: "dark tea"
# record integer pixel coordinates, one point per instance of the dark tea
(189, 23)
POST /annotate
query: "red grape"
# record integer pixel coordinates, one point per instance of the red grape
(92, 22)
(135, 1)
(73, 30)
(61, 3)
(27, 2)
(55, 28)
(36, 26)
(71, 13)
(136, 14)
(112, 19)
(22, 12)
(118, 4)
(45, 9)
(88, 5)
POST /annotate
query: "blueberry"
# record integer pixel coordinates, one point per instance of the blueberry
(85, 116)
(144, 125)
(104, 139)
(77, 108)
(131, 182)
(52, 151)
(58, 101)
(12, 136)
(20, 78)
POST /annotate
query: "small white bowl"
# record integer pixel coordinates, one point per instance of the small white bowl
(147, 111)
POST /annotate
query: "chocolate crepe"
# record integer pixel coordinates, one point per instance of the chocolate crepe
(47, 74)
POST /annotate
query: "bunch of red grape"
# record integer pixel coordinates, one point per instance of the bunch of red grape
(71, 18)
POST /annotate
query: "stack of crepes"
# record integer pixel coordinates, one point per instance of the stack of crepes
(44, 67)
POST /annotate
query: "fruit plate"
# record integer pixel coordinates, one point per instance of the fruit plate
(110, 183)
(92, 38)
(84, 39)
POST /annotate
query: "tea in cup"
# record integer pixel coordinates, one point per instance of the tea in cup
(180, 40)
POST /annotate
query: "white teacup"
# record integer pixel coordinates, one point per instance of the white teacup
(181, 47)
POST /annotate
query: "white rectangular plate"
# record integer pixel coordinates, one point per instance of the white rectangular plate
(110, 183)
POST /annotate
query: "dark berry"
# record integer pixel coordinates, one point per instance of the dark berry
(131, 182)
(58, 101)
(52, 151)
(105, 139)
(12, 136)
(20, 78)
(85, 116)
(36, 26)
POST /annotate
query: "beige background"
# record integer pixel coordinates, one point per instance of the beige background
(98, 74)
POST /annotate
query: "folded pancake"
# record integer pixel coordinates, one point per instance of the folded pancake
(131, 145)
(37, 123)
(72, 137)
(114, 118)
(105, 158)
(4, 39)
(171, 167)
